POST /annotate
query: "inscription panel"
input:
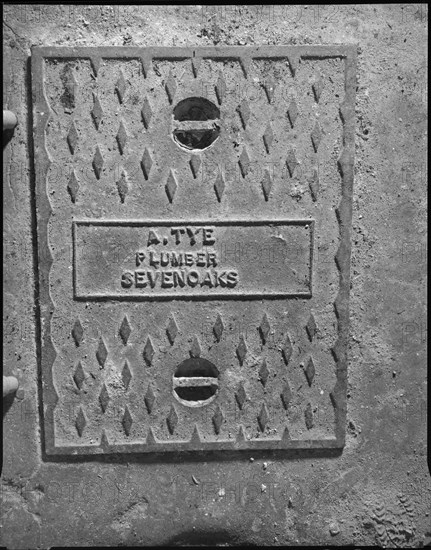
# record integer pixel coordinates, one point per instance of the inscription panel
(170, 259)
(193, 228)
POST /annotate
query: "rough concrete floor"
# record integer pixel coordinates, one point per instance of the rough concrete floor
(378, 491)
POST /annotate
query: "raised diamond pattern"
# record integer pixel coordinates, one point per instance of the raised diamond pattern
(172, 420)
(148, 352)
(98, 162)
(263, 418)
(125, 330)
(80, 422)
(146, 113)
(79, 376)
(218, 419)
(218, 328)
(146, 163)
(77, 332)
(101, 353)
(149, 399)
(172, 330)
(122, 137)
(244, 162)
(126, 375)
(264, 328)
(72, 138)
(241, 350)
(73, 186)
(171, 186)
(97, 111)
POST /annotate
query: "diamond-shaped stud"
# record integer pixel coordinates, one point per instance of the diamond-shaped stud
(146, 113)
(246, 62)
(263, 373)
(126, 375)
(127, 421)
(263, 418)
(293, 60)
(195, 164)
(196, 63)
(104, 398)
(96, 62)
(80, 422)
(264, 328)
(172, 420)
(217, 419)
(97, 111)
(195, 350)
(269, 86)
(309, 417)
(122, 137)
(220, 88)
(266, 183)
(149, 399)
(292, 112)
(244, 162)
(172, 330)
(79, 376)
(123, 186)
(287, 349)
(244, 112)
(146, 163)
(219, 186)
(148, 352)
(291, 162)
(241, 350)
(125, 330)
(98, 162)
(146, 61)
(268, 137)
(72, 138)
(311, 327)
(314, 185)
(218, 327)
(316, 136)
(241, 396)
(318, 87)
(71, 89)
(73, 186)
(101, 353)
(286, 396)
(120, 87)
(171, 186)
(310, 371)
(171, 87)
(77, 332)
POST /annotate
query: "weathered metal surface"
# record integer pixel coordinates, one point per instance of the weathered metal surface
(119, 177)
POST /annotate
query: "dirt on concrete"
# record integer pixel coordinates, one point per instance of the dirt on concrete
(378, 490)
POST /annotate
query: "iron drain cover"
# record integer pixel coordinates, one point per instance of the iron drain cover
(193, 224)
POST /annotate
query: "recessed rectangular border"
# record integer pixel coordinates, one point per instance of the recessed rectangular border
(47, 355)
(195, 297)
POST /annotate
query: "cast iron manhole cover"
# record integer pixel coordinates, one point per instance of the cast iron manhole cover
(193, 222)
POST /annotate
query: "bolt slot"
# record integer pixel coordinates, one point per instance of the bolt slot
(195, 382)
(196, 123)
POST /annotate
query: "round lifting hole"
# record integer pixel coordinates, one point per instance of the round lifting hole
(196, 123)
(195, 382)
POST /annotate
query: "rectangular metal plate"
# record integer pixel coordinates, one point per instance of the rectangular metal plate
(239, 159)
(165, 260)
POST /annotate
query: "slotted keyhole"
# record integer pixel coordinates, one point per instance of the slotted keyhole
(195, 382)
(196, 123)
